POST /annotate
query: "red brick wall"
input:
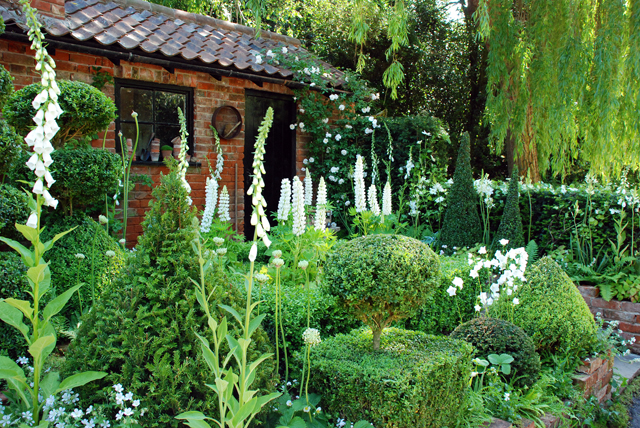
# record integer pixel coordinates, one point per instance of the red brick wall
(209, 94)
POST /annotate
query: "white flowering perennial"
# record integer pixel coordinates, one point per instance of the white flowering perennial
(358, 184)
(299, 220)
(182, 157)
(311, 337)
(284, 204)
(223, 206)
(47, 111)
(259, 216)
(211, 200)
(386, 200)
(373, 200)
(308, 188)
(321, 206)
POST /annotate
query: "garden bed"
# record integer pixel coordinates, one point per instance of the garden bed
(626, 313)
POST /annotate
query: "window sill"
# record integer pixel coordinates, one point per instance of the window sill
(161, 163)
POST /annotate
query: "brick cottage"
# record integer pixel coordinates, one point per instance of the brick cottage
(161, 58)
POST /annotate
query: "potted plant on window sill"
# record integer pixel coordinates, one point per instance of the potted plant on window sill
(166, 151)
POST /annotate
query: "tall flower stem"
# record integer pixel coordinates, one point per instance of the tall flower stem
(126, 174)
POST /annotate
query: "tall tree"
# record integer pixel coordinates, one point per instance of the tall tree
(563, 82)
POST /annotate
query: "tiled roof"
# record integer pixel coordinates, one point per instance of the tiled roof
(137, 25)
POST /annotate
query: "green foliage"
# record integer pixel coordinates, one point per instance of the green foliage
(551, 310)
(11, 146)
(511, 223)
(84, 176)
(13, 209)
(440, 314)
(410, 382)
(462, 226)
(143, 329)
(380, 279)
(86, 110)
(494, 336)
(6, 83)
(13, 283)
(71, 270)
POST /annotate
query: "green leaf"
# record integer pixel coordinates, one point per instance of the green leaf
(80, 379)
(606, 291)
(50, 383)
(192, 415)
(362, 424)
(27, 255)
(208, 355)
(22, 305)
(41, 348)
(233, 312)
(49, 244)
(58, 303)
(296, 422)
(28, 232)
(506, 368)
(38, 275)
(196, 423)
(13, 317)
(10, 370)
(255, 323)
(246, 410)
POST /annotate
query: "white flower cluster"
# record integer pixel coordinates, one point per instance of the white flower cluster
(311, 337)
(308, 188)
(284, 204)
(223, 206)
(211, 200)
(299, 219)
(259, 216)
(321, 206)
(358, 182)
(373, 200)
(182, 157)
(506, 270)
(485, 190)
(47, 111)
(386, 200)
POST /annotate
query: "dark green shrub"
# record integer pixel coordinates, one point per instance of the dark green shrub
(414, 380)
(67, 270)
(143, 329)
(86, 110)
(380, 279)
(6, 83)
(511, 224)
(11, 147)
(551, 310)
(461, 226)
(13, 283)
(84, 176)
(441, 313)
(495, 336)
(13, 209)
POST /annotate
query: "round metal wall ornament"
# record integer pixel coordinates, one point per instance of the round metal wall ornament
(227, 121)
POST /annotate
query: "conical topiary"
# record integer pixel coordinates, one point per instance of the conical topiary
(462, 226)
(511, 223)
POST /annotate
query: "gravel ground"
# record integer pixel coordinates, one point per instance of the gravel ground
(634, 413)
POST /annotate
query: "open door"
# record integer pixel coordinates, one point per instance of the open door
(280, 156)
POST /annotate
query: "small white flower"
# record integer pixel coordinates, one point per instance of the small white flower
(344, 152)
(102, 219)
(289, 403)
(506, 396)
(301, 125)
(22, 361)
(504, 242)
(333, 97)
(270, 53)
(77, 414)
(284, 50)
(292, 126)
(311, 336)
(341, 107)
(110, 253)
(135, 403)
(516, 301)
(477, 308)
(452, 291)
(258, 59)
(458, 282)
(303, 264)
(306, 409)
(482, 250)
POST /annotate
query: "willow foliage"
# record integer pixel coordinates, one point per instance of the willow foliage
(564, 77)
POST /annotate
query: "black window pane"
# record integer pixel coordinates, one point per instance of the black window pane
(166, 133)
(167, 104)
(138, 100)
(146, 131)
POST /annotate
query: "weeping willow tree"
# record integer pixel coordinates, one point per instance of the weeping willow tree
(564, 82)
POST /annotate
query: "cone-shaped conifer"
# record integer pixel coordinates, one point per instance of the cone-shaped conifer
(511, 223)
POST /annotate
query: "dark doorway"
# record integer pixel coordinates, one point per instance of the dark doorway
(280, 156)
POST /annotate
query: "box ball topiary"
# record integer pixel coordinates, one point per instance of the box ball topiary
(86, 110)
(67, 270)
(415, 380)
(13, 209)
(496, 336)
(13, 283)
(84, 176)
(380, 279)
(551, 310)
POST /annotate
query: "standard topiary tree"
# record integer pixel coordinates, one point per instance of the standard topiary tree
(495, 336)
(143, 329)
(86, 110)
(511, 223)
(551, 310)
(382, 278)
(461, 226)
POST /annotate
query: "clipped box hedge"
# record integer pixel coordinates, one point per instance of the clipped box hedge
(415, 380)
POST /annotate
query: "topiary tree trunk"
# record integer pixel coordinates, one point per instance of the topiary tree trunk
(462, 226)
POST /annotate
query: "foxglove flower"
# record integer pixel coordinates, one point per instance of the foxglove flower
(321, 206)
(308, 189)
(373, 200)
(358, 182)
(386, 199)
(182, 157)
(210, 204)
(299, 220)
(223, 207)
(284, 205)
